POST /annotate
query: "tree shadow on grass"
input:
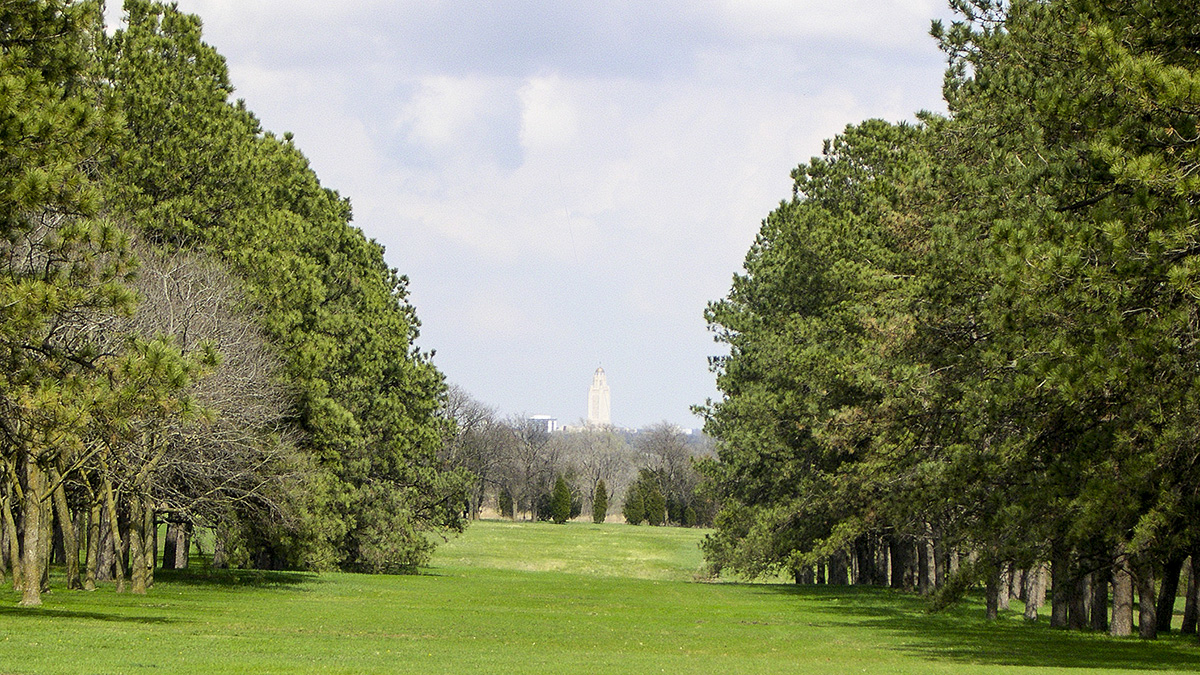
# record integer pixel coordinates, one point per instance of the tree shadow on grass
(235, 579)
(961, 635)
(16, 613)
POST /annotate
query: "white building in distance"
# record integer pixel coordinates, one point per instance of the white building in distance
(599, 404)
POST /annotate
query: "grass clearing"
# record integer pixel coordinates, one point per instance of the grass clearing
(538, 598)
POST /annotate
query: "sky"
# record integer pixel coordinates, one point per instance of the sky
(568, 184)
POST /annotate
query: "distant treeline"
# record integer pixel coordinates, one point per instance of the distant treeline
(191, 330)
(969, 348)
(514, 465)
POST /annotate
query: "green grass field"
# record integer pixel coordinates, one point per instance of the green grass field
(540, 598)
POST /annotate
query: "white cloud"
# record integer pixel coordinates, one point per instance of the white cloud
(570, 183)
(442, 108)
(548, 118)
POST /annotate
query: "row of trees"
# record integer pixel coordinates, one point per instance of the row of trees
(515, 464)
(191, 329)
(972, 344)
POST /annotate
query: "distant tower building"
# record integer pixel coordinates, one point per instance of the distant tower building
(599, 407)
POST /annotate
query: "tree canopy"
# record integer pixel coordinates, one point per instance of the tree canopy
(193, 330)
(976, 334)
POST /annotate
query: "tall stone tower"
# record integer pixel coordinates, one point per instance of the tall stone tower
(599, 407)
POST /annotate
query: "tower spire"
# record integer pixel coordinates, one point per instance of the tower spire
(599, 404)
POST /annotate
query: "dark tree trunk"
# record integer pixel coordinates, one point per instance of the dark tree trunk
(1143, 577)
(923, 566)
(106, 556)
(898, 550)
(941, 563)
(820, 573)
(1165, 609)
(992, 590)
(1077, 616)
(803, 575)
(1189, 608)
(1099, 606)
(1122, 581)
(1004, 586)
(837, 569)
(1060, 578)
(169, 540)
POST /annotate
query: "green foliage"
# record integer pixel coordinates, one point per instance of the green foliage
(656, 506)
(644, 501)
(634, 508)
(560, 501)
(600, 503)
(200, 172)
(980, 328)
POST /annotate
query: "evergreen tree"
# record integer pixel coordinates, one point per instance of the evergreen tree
(656, 506)
(505, 503)
(200, 172)
(560, 501)
(634, 508)
(600, 503)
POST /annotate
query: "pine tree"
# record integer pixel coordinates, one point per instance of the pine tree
(634, 508)
(560, 502)
(600, 503)
(656, 506)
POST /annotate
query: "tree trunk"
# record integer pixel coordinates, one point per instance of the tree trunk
(1143, 577)
(14, 542)
(820, 573)
(114, 528)
(93, 545)
(898, 557)
(137, 546)
(1189, 608)
(941, 562)
(3, 555)
(34, 511)
(183, 546)
(1035, 591)
(151, 542)
(220, 557)
(70, 537)
(923, 566)
(1005, 583)
(47, 538)
(1098, 611)
(169, 543)
(1122, 613)
(1060, 578)
(1077, 614)
(1165, 609)
(837, 569)
(992, 590)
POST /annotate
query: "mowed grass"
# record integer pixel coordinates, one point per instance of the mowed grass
(540, 598)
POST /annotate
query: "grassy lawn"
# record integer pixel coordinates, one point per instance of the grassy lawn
(539, 598)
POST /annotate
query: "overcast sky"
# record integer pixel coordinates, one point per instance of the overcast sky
(568, 184)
